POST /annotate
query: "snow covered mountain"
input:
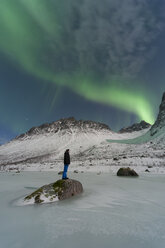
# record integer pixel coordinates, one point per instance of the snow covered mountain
(66, 126)
(93, 146)
(160, 122)
(135, 127)
(48, 141)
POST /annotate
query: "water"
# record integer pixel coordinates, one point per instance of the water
(111, 213)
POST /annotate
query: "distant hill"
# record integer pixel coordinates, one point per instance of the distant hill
(135, 127)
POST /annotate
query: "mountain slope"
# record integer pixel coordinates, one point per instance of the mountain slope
(46, 144)
(155, 134)
(160, 121)
(92, 146)
(48, 141)
(135, 127)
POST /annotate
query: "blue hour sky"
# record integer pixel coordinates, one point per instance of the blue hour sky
(91, 59)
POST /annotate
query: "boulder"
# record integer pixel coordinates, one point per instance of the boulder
(59, 190)
(127, 172)
(60, 172)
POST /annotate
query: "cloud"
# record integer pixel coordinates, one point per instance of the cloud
(117, 37)
(108, 37)
(89, 46)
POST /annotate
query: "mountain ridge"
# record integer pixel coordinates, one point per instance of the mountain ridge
(160, 121)
(65, 124)
(42, 148)
(135, 127)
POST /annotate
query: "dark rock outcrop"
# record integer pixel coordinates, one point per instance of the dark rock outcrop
(160, 121)
(127, 172)
(60, 172)
(60, 190)
(135, 127)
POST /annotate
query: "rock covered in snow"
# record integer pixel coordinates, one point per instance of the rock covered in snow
(59, 190)
(127, 172)
(135, 127)
(160, 121)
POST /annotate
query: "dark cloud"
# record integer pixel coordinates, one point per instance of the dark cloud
(81, 46)
(116, 37)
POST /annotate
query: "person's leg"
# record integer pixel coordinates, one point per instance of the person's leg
(65, 171)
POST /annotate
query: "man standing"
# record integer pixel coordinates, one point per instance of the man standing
(66, 164)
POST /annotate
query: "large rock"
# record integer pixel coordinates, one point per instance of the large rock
(60, 190)
(127, 172)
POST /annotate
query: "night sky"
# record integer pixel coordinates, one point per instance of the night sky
(91, 59)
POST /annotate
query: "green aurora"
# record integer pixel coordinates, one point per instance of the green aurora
(32, 35)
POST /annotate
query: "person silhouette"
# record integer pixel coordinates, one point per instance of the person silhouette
(66, 164)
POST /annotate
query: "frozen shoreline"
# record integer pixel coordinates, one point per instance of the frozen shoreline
(86, 168)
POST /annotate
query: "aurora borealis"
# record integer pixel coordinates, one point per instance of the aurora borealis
(92, 59)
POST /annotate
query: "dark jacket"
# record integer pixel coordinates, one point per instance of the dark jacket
(66, 158)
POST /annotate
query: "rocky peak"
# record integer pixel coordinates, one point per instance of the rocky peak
(135, 127)
(160, 121)
(64, 125)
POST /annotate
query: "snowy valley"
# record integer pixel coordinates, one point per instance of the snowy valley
(93, 146)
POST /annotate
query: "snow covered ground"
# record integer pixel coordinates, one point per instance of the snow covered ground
(112, 212)
(93, 147)
(90, 151)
